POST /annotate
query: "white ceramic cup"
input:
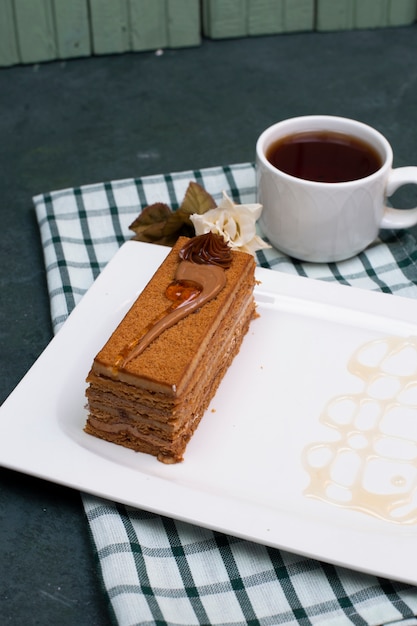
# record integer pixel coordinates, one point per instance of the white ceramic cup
(325, 222)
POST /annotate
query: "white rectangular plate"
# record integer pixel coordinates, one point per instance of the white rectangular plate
(246, 470)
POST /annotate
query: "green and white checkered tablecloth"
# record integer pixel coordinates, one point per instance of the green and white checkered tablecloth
(160, 571)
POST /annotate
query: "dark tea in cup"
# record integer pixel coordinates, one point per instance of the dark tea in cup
(324, 156)
(323, 182)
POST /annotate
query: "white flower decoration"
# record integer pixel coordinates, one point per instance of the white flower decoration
(235, 222)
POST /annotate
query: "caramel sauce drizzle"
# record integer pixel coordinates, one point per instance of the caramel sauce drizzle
(197, 281)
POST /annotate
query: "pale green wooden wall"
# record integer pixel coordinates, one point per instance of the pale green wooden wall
(239, 18)
(32, 31)
(348, 14)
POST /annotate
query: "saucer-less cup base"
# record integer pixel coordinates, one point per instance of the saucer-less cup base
(325, 222)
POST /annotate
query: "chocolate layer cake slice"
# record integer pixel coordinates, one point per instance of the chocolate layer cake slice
(153, 380)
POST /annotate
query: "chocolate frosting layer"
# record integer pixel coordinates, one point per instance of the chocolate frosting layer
(209, 248)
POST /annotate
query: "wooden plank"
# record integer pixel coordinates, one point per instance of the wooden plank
(402, 12)
(148, 24)
(278, 16)
(183, 17)
(224, 19)
(334, 15)
(265, 17)
(299, 15)
(371, 13)
(9, 54)
(72, 28)
(35, 30)
(347, 14)
(109, 26)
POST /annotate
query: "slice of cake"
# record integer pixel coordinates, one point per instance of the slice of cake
(152, 381)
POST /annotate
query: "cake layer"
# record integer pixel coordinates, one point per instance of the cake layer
(115, 407)
(171, 359)
(166, 437)
(153, 402)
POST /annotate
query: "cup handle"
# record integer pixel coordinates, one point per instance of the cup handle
(400, 218)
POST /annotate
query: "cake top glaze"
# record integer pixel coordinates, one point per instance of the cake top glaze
(170, 359)
(200, 276)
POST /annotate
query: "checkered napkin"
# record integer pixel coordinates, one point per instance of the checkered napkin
(156, 570)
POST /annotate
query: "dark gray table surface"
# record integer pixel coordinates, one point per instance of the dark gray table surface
(65, 124)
